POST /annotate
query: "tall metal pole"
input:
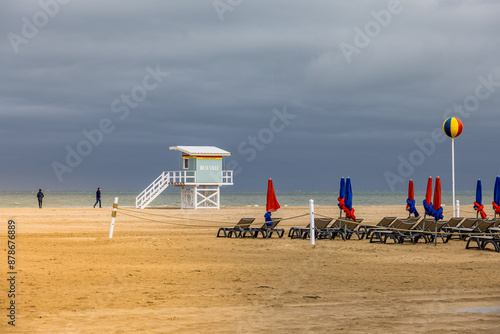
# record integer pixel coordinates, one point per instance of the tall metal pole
(453, 175)
(311, 222)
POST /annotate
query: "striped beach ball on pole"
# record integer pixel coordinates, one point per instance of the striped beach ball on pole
(453, 127)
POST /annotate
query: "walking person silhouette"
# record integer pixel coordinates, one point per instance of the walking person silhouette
(98, 197)
(40, 196)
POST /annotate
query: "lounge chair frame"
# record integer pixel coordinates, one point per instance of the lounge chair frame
(241, 227)
(482, 241)
(320, 225)
(384, 223)
(467, 225)
(266, 230)
(401, 230)
(346, 228)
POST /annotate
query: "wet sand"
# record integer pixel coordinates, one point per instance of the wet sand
(161, 276)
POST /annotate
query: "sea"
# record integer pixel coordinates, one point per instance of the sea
(28, 199)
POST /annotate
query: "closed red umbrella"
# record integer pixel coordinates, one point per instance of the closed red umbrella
(272, 203)
(438, 210)
(428, 197)
(410, 202)
(411, 194)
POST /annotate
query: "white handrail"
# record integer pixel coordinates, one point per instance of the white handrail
(182, 176)
(155, 186)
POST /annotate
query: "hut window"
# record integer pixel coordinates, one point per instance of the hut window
(186, 163)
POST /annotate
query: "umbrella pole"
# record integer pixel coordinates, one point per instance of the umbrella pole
(311, 223)
(453, 174)
(435, 234)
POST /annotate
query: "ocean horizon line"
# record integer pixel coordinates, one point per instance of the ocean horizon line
(75, 198)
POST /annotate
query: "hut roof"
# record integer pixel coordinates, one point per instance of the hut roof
(201, 150)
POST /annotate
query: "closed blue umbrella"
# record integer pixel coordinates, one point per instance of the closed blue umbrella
(478, 204)
(496, 197)
(348, 200)
(348, 194)
(341, 197)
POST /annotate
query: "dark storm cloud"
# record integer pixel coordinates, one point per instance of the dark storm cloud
(227, 76)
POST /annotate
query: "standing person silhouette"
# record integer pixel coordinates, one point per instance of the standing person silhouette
(40, 196)
(98, 197)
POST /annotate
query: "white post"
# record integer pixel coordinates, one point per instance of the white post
(182, 197)
(311, 222)
(195, 194)
(453, 175)
(113, 216)
(218, 197)
(458, 208)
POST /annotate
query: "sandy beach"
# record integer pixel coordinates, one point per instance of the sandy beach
(158, 275)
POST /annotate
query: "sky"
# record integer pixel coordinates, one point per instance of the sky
(94, 93)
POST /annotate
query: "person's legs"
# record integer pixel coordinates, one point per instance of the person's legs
(97, 201)
(100, 203)
(40, 203)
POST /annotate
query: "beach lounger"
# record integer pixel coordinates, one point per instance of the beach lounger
(483, 226)
(479, 236)
(242, 226)
(419, 229)
(496, 222)
(412, 219)
(495, 230)
(266, 230)
(320, 229)
(454, 222)
(467, 223)
(434, 229)
(330, 232)
(381, 235)
(482, 241)
(411, 232)
(421, 224)
(430, 226)
(303, 232)
(400, 231)
(385, 222)
(346, 228)
(440, 226)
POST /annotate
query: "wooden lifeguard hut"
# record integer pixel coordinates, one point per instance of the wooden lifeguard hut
(200, 179)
